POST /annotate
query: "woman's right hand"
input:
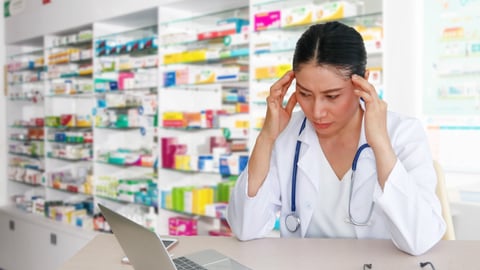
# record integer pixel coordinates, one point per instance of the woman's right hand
(278, 116)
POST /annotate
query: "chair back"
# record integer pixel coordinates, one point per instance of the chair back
(443, 197)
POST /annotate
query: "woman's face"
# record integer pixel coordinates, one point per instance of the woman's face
(326, 97)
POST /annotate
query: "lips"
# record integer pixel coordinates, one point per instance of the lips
(322, 125)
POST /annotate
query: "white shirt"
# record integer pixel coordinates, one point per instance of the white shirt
(331, 210)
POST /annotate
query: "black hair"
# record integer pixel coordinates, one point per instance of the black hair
(332, 44)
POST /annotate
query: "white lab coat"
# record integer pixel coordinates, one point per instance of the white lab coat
(406, 211)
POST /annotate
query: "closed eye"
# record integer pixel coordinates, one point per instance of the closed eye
(332, 96)
(305, 94)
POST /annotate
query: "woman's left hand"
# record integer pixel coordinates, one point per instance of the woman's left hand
(376, 128)
(375, 112)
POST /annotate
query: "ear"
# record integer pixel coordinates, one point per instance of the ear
(367, 74)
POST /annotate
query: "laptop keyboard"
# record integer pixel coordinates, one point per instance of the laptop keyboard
(182, 263)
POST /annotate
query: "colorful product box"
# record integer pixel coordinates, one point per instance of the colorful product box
(295, 16)
(267, 20)
(227, 74)
(217, 209)
(239, 23)
(175, 77)
(168, 152)
(183, 163)
(206, 163)
(207, 75)
(201, 197)
(271, 72)
(178, 197)
(67, 120)
(218, 31)
(182, 226)
(224, 190)
(169, 78)
(232, 164)
(173, 119)
(334, 11)
(172, 58)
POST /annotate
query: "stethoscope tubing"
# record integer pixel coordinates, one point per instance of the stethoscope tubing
(294, 184)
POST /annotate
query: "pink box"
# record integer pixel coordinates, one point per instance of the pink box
(182, 226)
(168, 152)
(267, 20)
(121, 79)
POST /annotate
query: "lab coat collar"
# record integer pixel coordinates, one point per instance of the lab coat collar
(310, 150)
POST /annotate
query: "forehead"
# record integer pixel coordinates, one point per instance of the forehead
(325, 77)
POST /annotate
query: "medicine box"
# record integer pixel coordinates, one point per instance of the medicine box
(182, 226)
(267, 20)
(300, 15)
(334, 10)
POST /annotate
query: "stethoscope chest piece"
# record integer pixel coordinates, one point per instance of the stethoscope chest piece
(292, 222)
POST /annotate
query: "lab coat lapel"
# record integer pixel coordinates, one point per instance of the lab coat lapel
(308, 175)
(308, 161)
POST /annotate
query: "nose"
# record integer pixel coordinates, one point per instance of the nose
(319, 109)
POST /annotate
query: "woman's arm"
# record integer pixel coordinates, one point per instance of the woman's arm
(408, 199)
(276, 120)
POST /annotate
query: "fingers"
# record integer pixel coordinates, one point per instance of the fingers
(280, 87)
(291, 104)
(364, 89)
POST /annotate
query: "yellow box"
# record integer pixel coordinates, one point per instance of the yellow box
(205, 76)
(172, 116)
(281, 69)
(197, 55)
(171, 58)
(201, 198)
(300, 15)
(182, 162)
(333, 11)
(242, 124)
(265, 73)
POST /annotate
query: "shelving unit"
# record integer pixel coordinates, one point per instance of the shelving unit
(203, 107)
(126, 81)
(68, 128)
(25, 81)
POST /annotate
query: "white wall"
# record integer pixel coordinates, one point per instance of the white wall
(402, 24)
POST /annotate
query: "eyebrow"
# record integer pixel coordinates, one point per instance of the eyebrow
(324, 92)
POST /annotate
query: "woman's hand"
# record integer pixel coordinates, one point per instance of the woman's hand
(376, 128)
(278, 116)
(375, 112)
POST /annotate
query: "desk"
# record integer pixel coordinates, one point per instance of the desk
(104, 252)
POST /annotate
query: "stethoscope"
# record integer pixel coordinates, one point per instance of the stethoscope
(292, 220)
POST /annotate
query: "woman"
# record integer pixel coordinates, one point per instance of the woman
(301, 164)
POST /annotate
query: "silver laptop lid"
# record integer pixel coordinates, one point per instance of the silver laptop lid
(143, 247)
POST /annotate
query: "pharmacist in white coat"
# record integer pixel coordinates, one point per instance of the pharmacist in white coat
(343, 166)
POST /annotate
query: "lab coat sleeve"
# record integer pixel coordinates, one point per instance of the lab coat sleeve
(254, 217)
(409, 200)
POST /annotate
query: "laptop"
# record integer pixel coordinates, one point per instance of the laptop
(145, 250)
